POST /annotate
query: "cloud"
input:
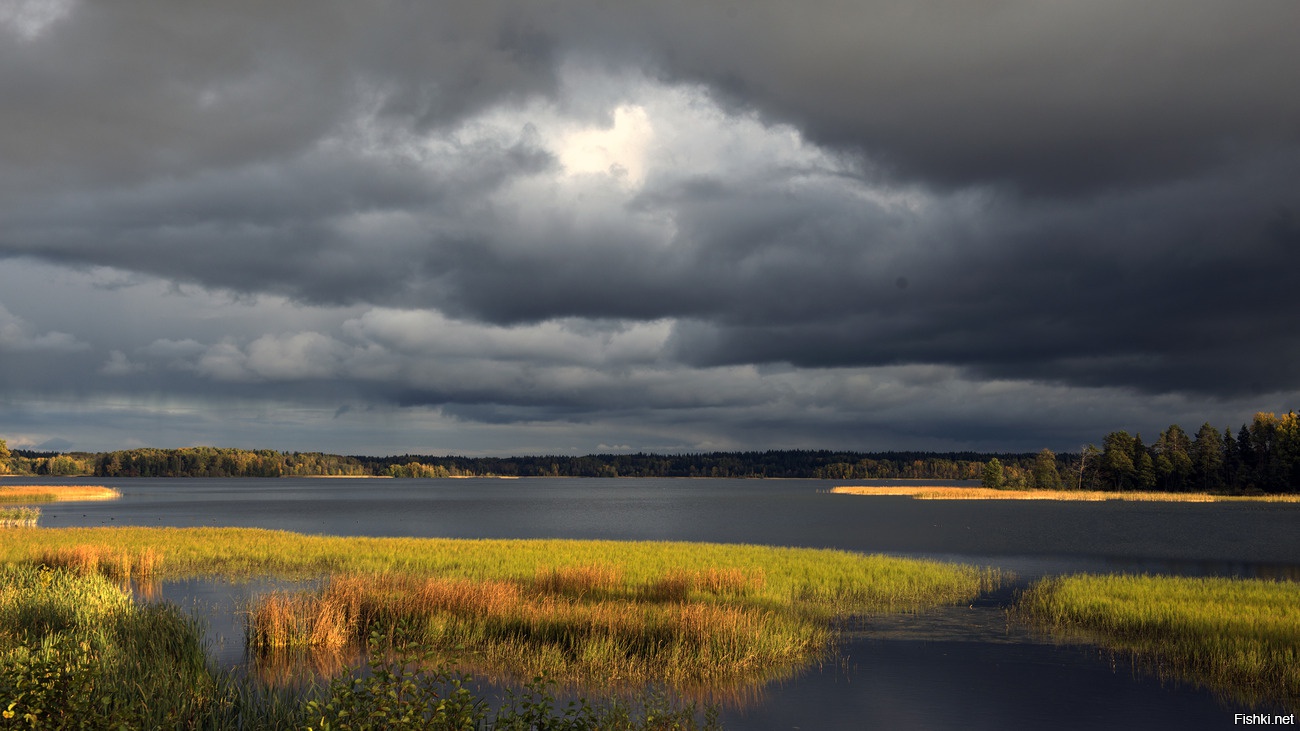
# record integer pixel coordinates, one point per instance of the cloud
(581, 213)
(18, 335)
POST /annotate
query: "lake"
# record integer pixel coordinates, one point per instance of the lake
(963, 667)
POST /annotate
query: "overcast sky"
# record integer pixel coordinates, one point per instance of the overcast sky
(570, 227)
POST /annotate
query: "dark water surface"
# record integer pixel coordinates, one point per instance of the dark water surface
(961, 668)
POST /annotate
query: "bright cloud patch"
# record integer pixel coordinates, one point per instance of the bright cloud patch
(619, 152)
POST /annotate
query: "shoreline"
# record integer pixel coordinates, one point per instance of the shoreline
(55, 493)
(934, 492)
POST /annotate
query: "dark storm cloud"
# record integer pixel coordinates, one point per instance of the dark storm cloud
(1048, 97)
(1094, 194)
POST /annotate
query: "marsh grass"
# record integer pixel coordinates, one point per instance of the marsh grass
(1240, 637)
(819, 581)
(528, 628)
(121, 564)
(77, 653)
(946, 492)
(24, 517)
(604, 613)
(55, 493)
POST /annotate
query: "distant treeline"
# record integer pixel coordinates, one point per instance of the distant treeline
(1262, 456)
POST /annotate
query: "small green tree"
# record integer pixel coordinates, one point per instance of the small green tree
(992, 475)
(4, 458)
(1046, 476)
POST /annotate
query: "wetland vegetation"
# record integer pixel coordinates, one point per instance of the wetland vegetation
(20, 517)
(944, 492)
(55, 493)
(1239, 637)
(600, 615)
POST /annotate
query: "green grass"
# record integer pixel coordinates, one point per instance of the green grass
(694, 615)
(24, 517)
(1240, 637)
(77, 653)
(820, 581)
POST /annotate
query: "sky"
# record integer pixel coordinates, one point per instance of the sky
(568, 227)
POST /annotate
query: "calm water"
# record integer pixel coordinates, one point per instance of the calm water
(959, 668)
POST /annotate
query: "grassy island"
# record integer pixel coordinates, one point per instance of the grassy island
(1240, 637)
(948, 492)
(55, 493)
(23, 517)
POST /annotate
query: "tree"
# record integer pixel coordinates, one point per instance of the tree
(1089, 454)
(1288, 450)
(1045, 474)
(1146, 472)
(992, 476)
(1117, 461)
(1207, 458)
(1175, 472)
(4, 458)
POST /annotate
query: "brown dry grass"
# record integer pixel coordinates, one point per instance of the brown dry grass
(550, 624)
(930, 492)
(55, 493)
(114, 563)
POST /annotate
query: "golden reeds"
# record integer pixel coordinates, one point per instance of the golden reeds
(527, 627)
(948, 492)
(115, 563)
(55, 493)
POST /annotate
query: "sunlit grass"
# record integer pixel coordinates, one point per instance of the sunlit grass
(1238, 636)
(24, 517)
(822, 581)
(948, 492)
(691, 614)
(55, 493)
(526, 629)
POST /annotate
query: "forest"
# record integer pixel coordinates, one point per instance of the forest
(1260, 457)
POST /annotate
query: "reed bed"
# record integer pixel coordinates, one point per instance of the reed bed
(947, 492)
(1240, 637)
(121, 564)
(55, 493)
(825, 582)
(592, 612)
(24, 517)
(527, 628)
(77, 652)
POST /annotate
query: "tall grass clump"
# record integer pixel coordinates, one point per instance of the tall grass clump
(1240, 637)
(24, 517)
(121, 564)
(590, 625)
(76, 652)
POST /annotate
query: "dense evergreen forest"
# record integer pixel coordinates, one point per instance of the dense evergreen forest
(1262, 456)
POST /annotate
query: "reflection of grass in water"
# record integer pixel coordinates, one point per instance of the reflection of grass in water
(54, 493)
(948, 492)
(1238, 636)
